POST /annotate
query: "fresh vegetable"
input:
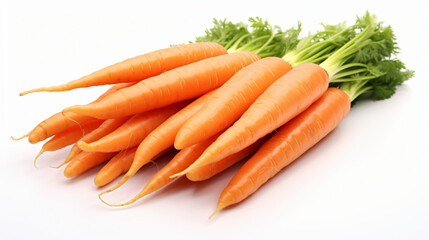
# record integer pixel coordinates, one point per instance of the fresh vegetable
(292, 140)
(142, 67)
(231, 100)
(119, 164)
(62, 121)
(179, 84)
(284, 99)
(85, 161)
(68, 137)
(105, 128)
(133, 131)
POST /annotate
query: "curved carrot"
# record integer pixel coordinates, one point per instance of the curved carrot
(105, 128)
(61, 121)
(231, 101)
(85, 161)
(68, 137)
(163, 136)
(290, 142)
(133, 131)
(180, 162)
(141, 67)
(119, 164)
(284, 99)
(179, 84)
(207, 171)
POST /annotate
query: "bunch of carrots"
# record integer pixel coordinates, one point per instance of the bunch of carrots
(241, 91)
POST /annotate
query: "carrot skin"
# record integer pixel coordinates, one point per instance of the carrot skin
(284, 99)
(179, 84)
(141, 67)
(105, 128)
(133, 131)
(231, 100)
(207, 171)
(290, 142)
(119, 164)
(163, 136)
(85, 161)
(62, 121)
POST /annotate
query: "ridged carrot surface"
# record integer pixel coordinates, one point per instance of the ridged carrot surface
(105, 128)
(85, 161)
(61, 121)
(284, 99)
(119, 164)
(133, 131)
(231, 101)
(290, 142)
(182, 83)
(68, 137)
(141, 67)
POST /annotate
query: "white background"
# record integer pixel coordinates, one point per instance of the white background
(368, 179)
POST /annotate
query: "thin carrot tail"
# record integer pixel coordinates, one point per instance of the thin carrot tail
(219, 207)
(68, 159)
(181, 173)
(37, 156)
(133, 200)
(119, 184)
(41, 89)
(16, 139)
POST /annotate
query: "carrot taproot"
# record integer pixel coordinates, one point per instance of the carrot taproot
(62, 121)
(163, 136)
(85, 161)
(105, 128)
(180, 161)
(141, 67)
(119, 164)
(290, 142)
(187, 82)
(284, 99)
(231, 101)
(68, 137)
(207, 171)
(133, 131)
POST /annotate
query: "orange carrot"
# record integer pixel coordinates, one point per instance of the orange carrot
(284, 99)
(85, 161)
(62, 121)
(231, 101)
(207, 171)
(68, 137)
(163, 136)
(133, 131)
(119, 164)
(290, 142)
(105, 128)
(141, 67)
(179, 84)
(181, 161)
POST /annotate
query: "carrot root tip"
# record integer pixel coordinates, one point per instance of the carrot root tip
(38, 155)
(16, 139)
(215, 212)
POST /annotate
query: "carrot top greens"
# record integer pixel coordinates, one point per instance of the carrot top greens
(359, 59)
(262, 38)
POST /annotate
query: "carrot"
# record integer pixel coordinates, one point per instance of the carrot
(179, 84)
(85, 161)
(284, 99)
(105, 128)
(68, 137)
(231, 101)
(180, 161)
(290, 142)
(207, 171)
(119, 164)
(163, 136)
(142, 67)
(133, 131)
(62, 121)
